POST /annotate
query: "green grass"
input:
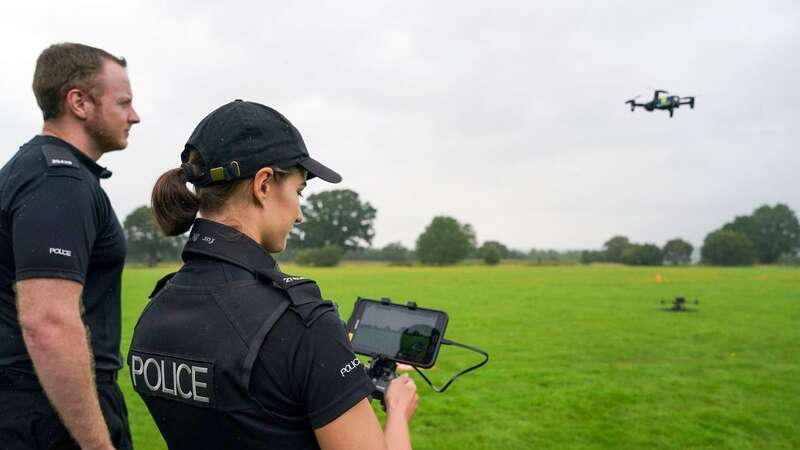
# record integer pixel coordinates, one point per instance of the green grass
(582, 357)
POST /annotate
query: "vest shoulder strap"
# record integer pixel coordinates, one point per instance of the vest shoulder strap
(161, 283)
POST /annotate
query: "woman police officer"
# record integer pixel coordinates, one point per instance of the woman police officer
(230, 353)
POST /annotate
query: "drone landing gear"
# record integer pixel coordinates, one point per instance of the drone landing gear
(679, 305)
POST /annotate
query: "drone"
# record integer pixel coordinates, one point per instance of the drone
(679, 305)
(667, 102)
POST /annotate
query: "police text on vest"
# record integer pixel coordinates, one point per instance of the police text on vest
(171, 377)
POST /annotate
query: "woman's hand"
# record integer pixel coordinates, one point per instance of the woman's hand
(402, 398)
(358, 428)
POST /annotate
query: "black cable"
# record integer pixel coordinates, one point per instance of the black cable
(456, 344)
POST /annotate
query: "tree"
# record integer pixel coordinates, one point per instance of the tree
(364, 254)
(790, 260)
(492, 252)
(516, 254)
(677, 251)
(396, 254)
(327, 256)
(492, 256)
(614, 248)
(336, 217)
(727, 248)
(592, 256)
(642, 255)
(493, 249)
(445, 241)
(544, 255)
(146, 243)
(774, 231)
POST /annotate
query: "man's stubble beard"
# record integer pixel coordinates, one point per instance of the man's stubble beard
(103, 136)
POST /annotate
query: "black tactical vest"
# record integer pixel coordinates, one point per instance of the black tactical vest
(194, 347)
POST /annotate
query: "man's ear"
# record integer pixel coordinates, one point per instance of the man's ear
(78, 103)
(263, 181)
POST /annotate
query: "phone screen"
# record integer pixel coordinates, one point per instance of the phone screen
(406, 335)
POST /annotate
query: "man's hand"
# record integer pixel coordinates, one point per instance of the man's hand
(55, 336)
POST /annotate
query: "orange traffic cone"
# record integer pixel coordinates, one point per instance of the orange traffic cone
(659, 280)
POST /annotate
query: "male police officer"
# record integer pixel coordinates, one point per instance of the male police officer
(61, 256)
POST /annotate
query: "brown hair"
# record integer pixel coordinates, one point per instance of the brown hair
(66, 66)
(175, 206)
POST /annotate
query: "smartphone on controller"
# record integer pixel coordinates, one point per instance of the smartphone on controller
(403, 333)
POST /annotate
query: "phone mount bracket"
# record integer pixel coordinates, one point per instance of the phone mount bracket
(381, 371)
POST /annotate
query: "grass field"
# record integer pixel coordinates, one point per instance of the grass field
(582, 357)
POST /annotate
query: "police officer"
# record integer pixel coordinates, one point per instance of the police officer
(61, 256)
(231, 352)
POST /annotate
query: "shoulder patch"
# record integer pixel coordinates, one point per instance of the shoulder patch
(303, 291)
(55, 156)
(310, 312)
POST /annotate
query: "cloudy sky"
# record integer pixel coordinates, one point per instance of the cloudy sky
(505, 115)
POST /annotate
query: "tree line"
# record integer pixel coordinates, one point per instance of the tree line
(768, 235)
(340, 225)
(619, 249)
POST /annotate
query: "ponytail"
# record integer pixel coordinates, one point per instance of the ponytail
(174, 205)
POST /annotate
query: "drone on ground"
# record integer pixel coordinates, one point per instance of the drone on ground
(666, 102)
(679, 305)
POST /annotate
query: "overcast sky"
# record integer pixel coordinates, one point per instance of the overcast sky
(507, 115)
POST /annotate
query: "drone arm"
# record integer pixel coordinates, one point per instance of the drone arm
(633, 104)
(687, 101)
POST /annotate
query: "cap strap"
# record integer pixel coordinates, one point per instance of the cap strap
(192, 176)
(217, 174)
(230, 172)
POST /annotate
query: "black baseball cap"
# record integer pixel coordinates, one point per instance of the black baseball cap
(238, 139)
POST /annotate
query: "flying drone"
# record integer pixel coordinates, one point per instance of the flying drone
(679, 305)
(666, 102)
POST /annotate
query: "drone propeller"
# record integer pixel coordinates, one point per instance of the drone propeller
(632, 102)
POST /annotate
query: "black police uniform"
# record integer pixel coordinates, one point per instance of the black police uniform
(232, 353)
(57, 222)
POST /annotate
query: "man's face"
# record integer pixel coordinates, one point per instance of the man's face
(112, 116)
